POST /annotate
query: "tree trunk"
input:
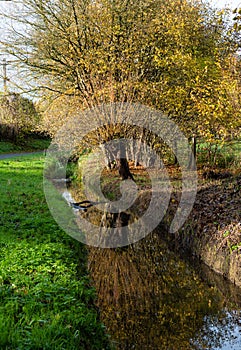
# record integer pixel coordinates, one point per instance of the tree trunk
(124, 170)
(192, 160)
(122, 163)
(108, 156)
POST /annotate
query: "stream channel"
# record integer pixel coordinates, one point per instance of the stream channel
(150, 297)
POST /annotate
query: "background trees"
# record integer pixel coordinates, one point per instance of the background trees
(18, 116)
(177, 56)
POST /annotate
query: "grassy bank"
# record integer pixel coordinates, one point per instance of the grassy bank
(46, 301)
(27, 144)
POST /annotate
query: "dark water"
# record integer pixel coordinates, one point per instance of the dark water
(151, 298)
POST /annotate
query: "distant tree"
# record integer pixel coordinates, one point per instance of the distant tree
(18, 116)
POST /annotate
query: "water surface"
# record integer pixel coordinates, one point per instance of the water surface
(150, 298)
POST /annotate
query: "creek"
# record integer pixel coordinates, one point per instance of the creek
(150, 297)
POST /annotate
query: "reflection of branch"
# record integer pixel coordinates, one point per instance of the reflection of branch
(88, 204)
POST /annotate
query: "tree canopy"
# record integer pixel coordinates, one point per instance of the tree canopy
(17, 115)
(177, 56)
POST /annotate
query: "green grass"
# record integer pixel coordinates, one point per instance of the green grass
(46, 301)
(9, 147)
(28, 144)
(224, 155)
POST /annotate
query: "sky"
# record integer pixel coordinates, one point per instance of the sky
(6, 6)
(229, 3)
(232, 4)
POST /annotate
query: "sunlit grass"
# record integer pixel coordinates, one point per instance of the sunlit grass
(46, 301)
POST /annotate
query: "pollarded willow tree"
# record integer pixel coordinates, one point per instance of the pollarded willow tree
(177, 56)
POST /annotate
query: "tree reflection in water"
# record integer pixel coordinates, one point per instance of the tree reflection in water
(151, 299)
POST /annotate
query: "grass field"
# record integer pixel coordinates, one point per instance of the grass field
(46, 301)
(29, 144)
